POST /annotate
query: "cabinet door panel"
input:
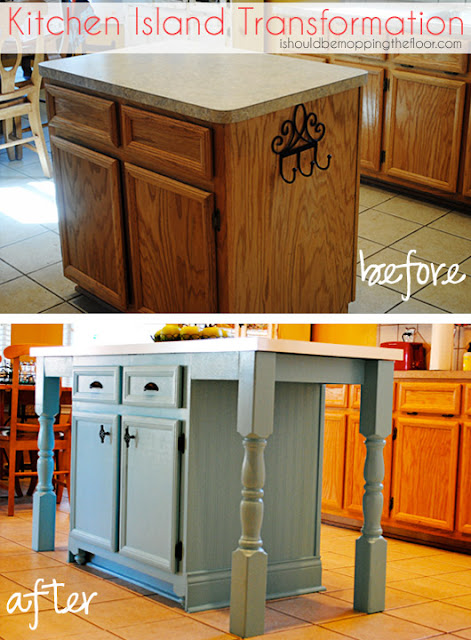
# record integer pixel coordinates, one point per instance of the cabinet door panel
(150, 473)
(467, 162)
(94, 500)
(424, 126)
(336, 395)
(464, 483)
(90, 220)
(372, 115)
(425, 465)
(333, 466)
(172, 244)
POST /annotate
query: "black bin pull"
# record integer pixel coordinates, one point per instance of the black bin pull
(96, 384)
(102, 434)
(151, 386)
(128, 437)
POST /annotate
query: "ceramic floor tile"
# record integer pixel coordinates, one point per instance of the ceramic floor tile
(455, 298)
(437, 615)
(7, 272)
(181, 628)
(380, 626)
(13, 602)
(460, 601)
(311, 632)
(374, 299)
(371, 196)
(465, 267)
(393, 574)
(33, 170)
(50, 625)
(65, 307)
(31, 255)
(7, 547)
(12, 231)
(68, 575)
(90, 305)
(316, 607)
(368, 247)
(25, 296)
(458, 577)
(414, 306)
(52, 278)
(413, 210)
(98, 634)
(274, 620)
(435, 246)
(383, 228)
(335, 581)
(394, 597)
(432, 588)
(123, 613)
(456, 223)
(464, 633)
(26, 561)
(336, 560)
(430, 566)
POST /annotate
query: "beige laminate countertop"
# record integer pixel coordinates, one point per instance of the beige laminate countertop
(219, 88)
(433, 375)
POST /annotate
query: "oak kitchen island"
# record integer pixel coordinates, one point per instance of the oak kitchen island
(160, 435)
(207, 182)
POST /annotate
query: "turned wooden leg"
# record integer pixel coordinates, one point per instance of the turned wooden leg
(37, 130)
(375, 425)
(7, 134)
(19, 135)
(249, 560)
(44, 498)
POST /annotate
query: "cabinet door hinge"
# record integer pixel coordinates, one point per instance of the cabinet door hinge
(386, 84)
(391, 504)
(394, 433)
(181, 443)
(179, 551)
(382, 157)
(217, 220)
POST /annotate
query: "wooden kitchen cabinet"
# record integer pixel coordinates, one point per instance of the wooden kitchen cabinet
(335, 438)
(425, 467)
(172, 243)
(463, 506)
(424, 119)
(90, 220)
(466, 189)
(456, 63)
(443, 398)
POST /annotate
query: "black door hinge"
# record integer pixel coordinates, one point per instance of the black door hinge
(382, 157)
(217, 220)
(394, 433)
(386, 84)
(391, 504)
(181, 443)
(179, 551)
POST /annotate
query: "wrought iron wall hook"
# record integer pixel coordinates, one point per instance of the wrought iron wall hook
(302, 133)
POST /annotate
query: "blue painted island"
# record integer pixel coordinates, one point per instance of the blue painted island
(166, 435)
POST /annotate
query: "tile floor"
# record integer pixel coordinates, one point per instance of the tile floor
(31, 279)
(428, 596)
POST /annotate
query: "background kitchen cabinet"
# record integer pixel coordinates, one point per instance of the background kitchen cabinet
(464, 483)
(424, 118)
(448, 62)
(466, 189)
(335, 435)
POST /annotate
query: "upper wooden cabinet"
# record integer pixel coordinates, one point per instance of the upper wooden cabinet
(423, 129)
(442, 398)
(88, 187)
(448, 62)
(463, 515)
(424, 472)
(372, 115)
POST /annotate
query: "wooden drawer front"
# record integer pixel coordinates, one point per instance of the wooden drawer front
(170, 143)
(467, 399)
(86, 117)
(336, 395)
(425, 467)
(463, 520)
(451, 62)
(429, 397)
(152, 386)
(96, 384)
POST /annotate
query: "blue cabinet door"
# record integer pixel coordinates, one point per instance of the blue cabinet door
(94, 499)
(150, 487)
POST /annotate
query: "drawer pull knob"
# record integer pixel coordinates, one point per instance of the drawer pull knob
(102, 433)
(96, 385)
(151, 386)
(411, 413)
(128, 437)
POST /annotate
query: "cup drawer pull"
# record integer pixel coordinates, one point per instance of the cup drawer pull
(151, 386)
(96, 385)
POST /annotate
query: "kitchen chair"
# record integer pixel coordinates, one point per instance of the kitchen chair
(19, 99)
(17, 437)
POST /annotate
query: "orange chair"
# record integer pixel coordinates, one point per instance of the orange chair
(17, 437)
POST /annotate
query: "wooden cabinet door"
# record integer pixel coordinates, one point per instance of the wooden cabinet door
(463, 519)
(467, 162)
(172, 242)
(371, 117)
(424, 476)
(150, 489)
(333, 465)
(94, 475)
(423, 129)
(90, 220)
(354, 471)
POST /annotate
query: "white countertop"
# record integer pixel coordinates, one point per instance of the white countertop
(220, 88)
(220, 345)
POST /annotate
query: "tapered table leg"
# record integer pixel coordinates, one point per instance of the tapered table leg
(375, 425)
(249, 560)
(44, 498)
